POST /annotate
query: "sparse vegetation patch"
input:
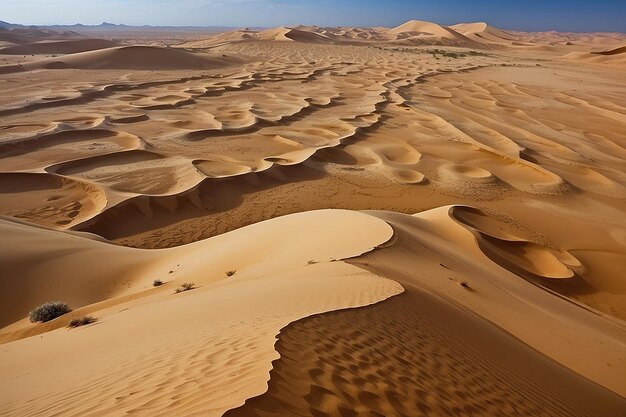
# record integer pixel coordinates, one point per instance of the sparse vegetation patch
(48, 311)
(81, 321)
(187, 286)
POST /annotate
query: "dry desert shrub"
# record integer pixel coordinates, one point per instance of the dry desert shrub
(48, 311)
(185, 287)
(81, 321)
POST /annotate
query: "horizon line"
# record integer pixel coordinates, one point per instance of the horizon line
(104, 23)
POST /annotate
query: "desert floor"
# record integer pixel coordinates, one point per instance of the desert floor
(372, 227)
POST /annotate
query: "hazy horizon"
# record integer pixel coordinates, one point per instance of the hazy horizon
(570, 16)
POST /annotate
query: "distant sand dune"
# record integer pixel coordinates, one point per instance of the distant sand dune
(615, 51)
(482, 32)
(288, 34)
(128, 57)
(21, 36)
(614, 57)
(426, 29)
(58, 47)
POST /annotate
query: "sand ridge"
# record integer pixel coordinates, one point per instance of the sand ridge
(119, 293)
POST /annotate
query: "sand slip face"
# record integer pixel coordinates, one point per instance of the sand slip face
(613, 57)
(416, 355)
(440, 249)
(199, 352)
(430, 350)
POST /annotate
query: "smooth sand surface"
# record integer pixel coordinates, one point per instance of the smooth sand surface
(420, 220)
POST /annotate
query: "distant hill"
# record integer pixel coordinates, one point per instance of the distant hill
(107, 26)
(21, 35)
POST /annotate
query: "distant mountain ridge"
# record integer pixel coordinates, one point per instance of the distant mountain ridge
(110, 26)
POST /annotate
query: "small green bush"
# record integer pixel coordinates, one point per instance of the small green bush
(231, 273)
(157, 283)
(48, 311)
(81, 321)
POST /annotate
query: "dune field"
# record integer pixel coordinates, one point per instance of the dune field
(413, 221)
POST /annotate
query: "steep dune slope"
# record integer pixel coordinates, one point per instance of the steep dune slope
(428, 29)
(448, 253)
(613, 57)
(427, 351)
(58, 269)
(291, 34)
(416, 355)
(428, 32)
(225, 328)
(482, 32)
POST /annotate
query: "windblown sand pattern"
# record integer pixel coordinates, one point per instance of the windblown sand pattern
(424, 220)
(414, 355)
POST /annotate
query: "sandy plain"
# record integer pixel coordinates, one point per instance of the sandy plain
(415, 221)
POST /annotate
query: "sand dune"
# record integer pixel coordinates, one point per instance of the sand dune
(28, 35)
(479, 35)
(432, 234)
(614, 57)
(482, 32)
(49, 200)
(58, 47)
(411, 32)
(290, 34)
(424, 220)
(36, 153)
(416, 337)
(128, 57)
(274, 285)
(615, 51)
(420, 29)
(12, 38)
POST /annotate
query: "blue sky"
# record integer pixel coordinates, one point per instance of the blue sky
(564, 15)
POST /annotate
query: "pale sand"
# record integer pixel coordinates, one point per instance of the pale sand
(496, 176)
